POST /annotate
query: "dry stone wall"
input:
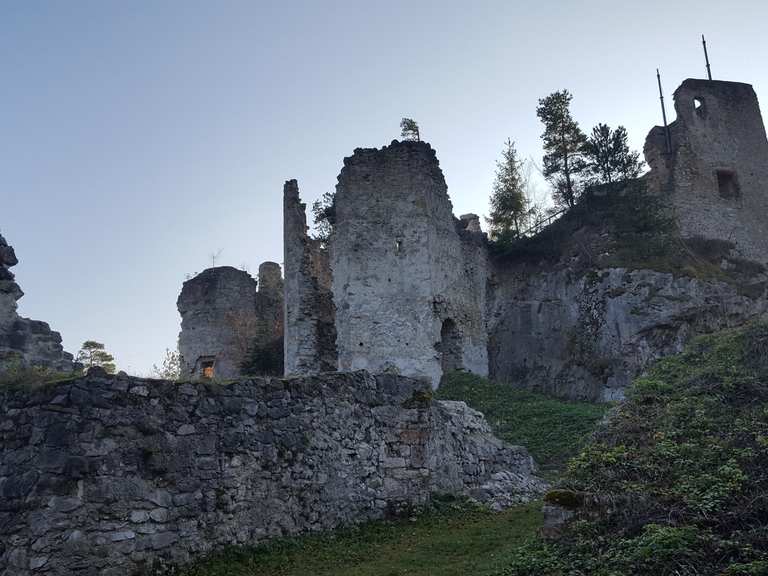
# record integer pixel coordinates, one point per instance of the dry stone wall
(108, 475)
(24, 341)
(406, 298)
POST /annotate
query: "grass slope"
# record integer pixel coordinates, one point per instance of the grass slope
(552, 430)
(452, 539)
(679, 475)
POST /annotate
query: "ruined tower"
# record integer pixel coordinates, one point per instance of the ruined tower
(224, 318)
(716, 174)
(408, 287)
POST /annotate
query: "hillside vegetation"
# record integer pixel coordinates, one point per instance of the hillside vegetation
(677, 482)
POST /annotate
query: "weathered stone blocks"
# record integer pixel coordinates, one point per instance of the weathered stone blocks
(96, 479)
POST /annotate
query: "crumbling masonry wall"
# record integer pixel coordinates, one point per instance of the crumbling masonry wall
(114, 475)
(24, 341)
(224, 316)
(310, 332)
(406, 287)
(717, 172)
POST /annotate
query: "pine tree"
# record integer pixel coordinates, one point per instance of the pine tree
(563, 147)
(609, 158)
(409, 130)
(509, 205)
(93, 354)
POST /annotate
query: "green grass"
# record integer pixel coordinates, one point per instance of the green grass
(452, 540)
(552, 430)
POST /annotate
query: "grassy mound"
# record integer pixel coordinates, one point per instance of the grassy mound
(678, 479)
(553, 430)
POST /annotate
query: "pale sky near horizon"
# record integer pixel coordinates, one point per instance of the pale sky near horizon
(138, 137)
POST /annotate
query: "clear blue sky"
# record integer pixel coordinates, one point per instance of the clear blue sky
(138, 137)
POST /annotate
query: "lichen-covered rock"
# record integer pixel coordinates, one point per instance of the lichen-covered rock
(112, 474)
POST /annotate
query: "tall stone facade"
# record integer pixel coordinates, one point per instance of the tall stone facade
(225, 313)
(310, 330)
(24, 341)
(407, 298)
(118, 475)
(716, 174)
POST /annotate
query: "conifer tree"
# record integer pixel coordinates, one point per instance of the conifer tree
(564, 143)
(609, 158)
(509, 205)
(92, 353)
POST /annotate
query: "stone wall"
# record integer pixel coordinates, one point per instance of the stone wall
(223, 316)
(310, 332)
(114, 475)
(587, 335)
(407, 300)
(717, 173)
(24, 341)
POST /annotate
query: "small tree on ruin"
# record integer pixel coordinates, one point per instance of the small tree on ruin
(409, 130)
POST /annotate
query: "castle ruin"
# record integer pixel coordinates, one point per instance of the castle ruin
(225, 315)
(403, 286)
(716, 170)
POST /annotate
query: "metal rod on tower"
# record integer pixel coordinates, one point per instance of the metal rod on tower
(706, 57)
(667, 138)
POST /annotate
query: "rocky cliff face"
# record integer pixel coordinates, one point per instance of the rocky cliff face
(583, 307)
(114, 475)
(29, 342)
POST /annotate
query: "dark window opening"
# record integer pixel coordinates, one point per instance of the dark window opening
(728, 184)
(398, 246)
(450, 347)
(698, 107)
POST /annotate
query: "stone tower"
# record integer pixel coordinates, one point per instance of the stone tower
(717, 172)
(223, 317)
(406, 297)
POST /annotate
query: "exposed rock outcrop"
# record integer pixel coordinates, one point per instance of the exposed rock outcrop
(588, 334)
(114, 474)
(24, 341)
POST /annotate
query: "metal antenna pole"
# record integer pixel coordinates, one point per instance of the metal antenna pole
(664, 114)
(706, 57)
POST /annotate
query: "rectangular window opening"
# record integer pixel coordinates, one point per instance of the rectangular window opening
(728, 184)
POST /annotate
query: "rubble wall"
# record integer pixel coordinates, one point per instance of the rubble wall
(115, 475)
